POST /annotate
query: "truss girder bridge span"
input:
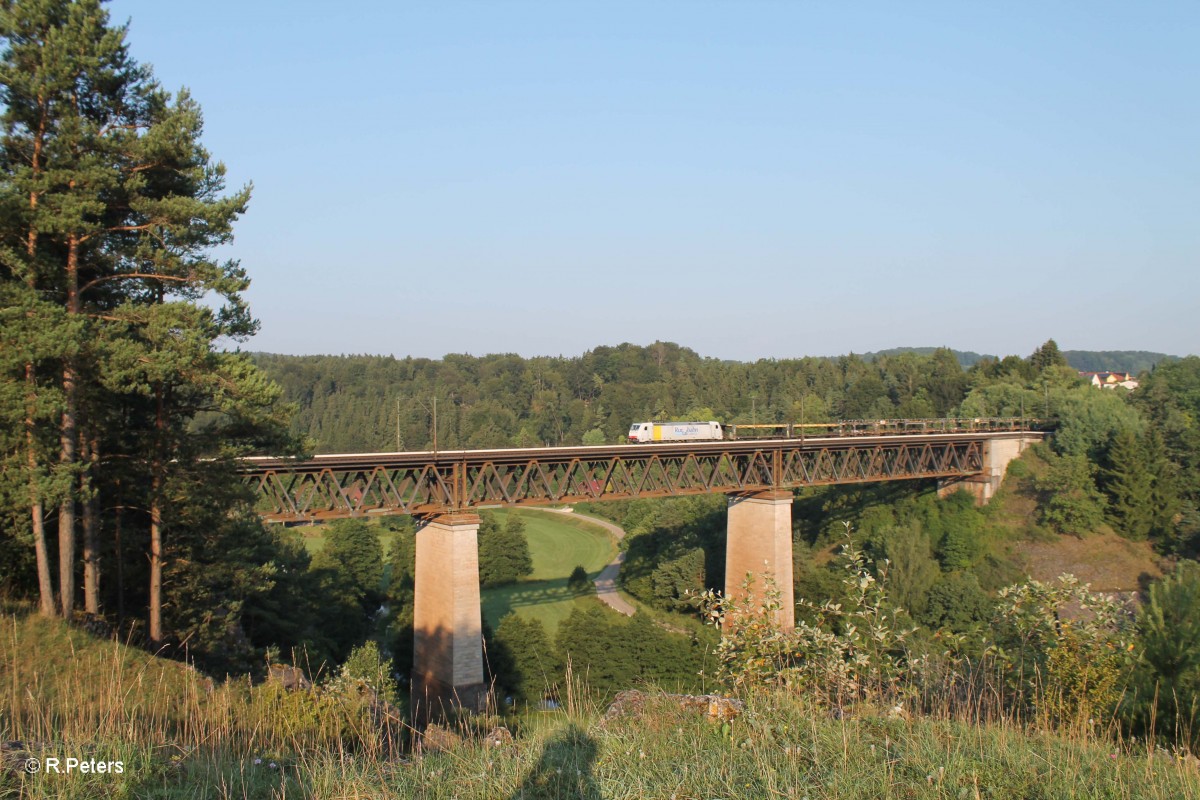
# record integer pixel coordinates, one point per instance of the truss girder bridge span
(433, 483)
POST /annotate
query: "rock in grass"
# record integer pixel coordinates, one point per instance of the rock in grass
(13, 757)
(437, 739)
(289, 677)
(632, 703)
(498, 737)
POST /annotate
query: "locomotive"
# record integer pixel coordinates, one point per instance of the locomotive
(676, 432)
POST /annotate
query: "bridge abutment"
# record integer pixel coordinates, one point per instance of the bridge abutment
(759, 544)
(997, 454)
(447, 619)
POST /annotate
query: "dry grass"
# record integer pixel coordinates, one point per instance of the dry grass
(66, 693)
(1105, 560)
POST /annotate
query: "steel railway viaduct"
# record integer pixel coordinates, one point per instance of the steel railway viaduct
(443, 490)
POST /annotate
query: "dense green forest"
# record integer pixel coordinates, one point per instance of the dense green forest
(364, 403)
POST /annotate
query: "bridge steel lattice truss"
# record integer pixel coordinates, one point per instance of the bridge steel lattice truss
(429, 483)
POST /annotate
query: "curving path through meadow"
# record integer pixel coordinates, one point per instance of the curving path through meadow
(606, 581)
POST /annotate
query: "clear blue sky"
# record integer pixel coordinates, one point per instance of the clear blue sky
(749, 179)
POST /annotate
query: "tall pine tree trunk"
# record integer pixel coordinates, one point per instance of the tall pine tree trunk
(47, 605)
(156, 486)
(119, 554)
(69, 444)
(66, 509)
(91, 525)
(156, 629)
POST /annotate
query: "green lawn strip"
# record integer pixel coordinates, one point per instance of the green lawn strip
(550, 602)
(558, 544)
(313, 538)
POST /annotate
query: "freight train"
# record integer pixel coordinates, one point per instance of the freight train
(649, 432)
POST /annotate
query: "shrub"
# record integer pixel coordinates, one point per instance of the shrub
(1061, 648)
(579, 579)
(1167, 675)
(367, 667)
(848, 653)
(957, 603)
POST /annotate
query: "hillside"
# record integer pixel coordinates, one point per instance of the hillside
(966, 358)
(1105, 560)
(1099, 557)
(1115, 360)
(1083, 360)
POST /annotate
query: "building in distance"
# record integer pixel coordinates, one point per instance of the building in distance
(1110, 380)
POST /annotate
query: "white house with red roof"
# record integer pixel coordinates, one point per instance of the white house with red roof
(1111, 380)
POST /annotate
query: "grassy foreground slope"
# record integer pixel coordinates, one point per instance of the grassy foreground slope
(65, 693)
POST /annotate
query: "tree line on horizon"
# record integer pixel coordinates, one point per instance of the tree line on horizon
(1133, 361)
(381, 403)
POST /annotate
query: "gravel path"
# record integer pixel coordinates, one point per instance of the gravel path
(606, 581)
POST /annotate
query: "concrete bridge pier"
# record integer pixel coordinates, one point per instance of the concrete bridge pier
(759, 544)
(447, 620)
(997, 453)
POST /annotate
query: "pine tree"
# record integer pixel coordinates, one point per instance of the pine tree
(112, 209)
(1071, 503)
(578, 581)
(1166, 497)
(33, 332)
(1128, 483)
(503, 552)
(1167, 677)
(352, 549)
(63, 79)
(1048, 355)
